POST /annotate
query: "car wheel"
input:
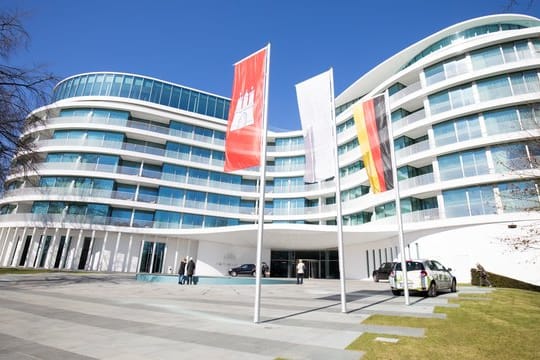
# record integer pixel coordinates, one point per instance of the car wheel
(453, 288)
(253, 273)
(396, 292)
(233, 273)
(432, 291)
(376, 278)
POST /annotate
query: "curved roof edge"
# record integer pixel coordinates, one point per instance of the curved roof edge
(393, 65)
(141, 76)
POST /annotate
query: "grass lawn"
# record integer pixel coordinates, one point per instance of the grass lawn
(21, 271)
(507, 326)
(4, 271)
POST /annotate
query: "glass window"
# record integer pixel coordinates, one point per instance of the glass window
(156, 92)
(89, 84)
(494, 88)
(468, 128)
(509, 53)
(211, 107)
(460, 97)
(469, 201)
(474, 163)
(464, 164)
(220, 109)
(135, 92)
(193, 101)
(510, 157)
(80, 87)
(486, 58)
(146, 89)
(121, 213)
(74, 86)
(126, 86)
(522, 50)
(125, 191)
(107, 84)
(116, 85)
(439, 102)
(97, 84)
(203, 102)
(501, 121)
(519, 196)
(184, 99)
(166, 219)
(165, 95)
(192, 220)
(175, 97)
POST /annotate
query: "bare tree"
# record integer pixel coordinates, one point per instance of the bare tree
(21, 90)
(523, 196)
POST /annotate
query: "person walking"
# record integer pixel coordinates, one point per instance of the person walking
(182, 271)
(265, 269)
(190, 270)
(300, 272)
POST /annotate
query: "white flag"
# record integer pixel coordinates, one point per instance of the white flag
(315, 99)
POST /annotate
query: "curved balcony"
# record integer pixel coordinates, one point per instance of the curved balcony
(311, 189)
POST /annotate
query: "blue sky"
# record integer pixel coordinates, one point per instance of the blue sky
(196, 43)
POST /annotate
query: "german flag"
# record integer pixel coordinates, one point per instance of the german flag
(372, 126)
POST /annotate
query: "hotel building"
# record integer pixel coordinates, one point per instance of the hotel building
(129, 173)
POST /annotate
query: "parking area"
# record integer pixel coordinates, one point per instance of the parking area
(113, 316)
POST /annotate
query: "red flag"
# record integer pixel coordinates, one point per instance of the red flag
(244, 130)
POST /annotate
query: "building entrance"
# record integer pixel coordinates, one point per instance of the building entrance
(320, 264)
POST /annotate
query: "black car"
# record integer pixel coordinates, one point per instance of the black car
(383, 271)
(244, 269)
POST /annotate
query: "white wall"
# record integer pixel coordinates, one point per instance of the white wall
(463, 248)
(215, 259)
(355, 258)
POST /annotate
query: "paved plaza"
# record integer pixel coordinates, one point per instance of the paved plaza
(114, 317)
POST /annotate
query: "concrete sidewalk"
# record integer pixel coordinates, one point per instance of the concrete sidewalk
(112, 316)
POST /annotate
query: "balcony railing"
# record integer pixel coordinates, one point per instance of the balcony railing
(413, 149)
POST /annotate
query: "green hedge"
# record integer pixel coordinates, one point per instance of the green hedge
(502, 281)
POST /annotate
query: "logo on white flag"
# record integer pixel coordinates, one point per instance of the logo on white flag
(243, 115)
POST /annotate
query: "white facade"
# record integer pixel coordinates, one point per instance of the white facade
(130, 172)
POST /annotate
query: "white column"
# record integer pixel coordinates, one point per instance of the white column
(29, 253)
(140, 255)
(102, 250)
(51, 250)
(75, 253)
(127, 260)
(15, 247)
(165, 266)
(20, 248)
(41, 245)
(65, 249)
(176, 255)
(3, 240)
(90, 258)
(153, 256)
(112, 262)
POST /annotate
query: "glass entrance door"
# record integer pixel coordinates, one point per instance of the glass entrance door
(312, 270)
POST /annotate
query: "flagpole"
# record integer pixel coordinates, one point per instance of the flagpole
(262, 183)
(339, 218)
(398, 201)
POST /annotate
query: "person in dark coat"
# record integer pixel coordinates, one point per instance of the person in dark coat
(181, 272)
(190, 270)
(265, 269)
